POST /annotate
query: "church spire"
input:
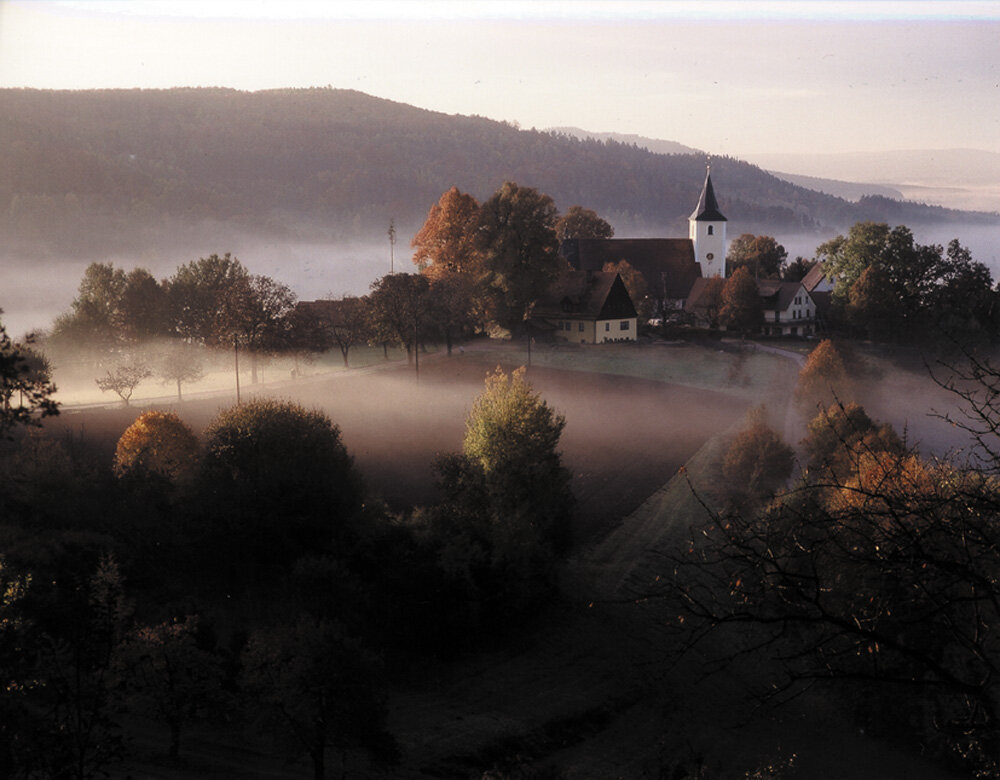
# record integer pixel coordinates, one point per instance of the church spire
(707, 209)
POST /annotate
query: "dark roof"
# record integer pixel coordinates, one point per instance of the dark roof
(586, 294)
(777, 295)
(667, 264)
(708, 208)
(812, 279)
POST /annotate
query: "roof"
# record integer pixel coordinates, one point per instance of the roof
(813, 279)
(667, 264)
(707, 209)
(586, 294)
(777, 295)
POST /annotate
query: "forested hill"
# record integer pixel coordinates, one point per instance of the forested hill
(109, 170)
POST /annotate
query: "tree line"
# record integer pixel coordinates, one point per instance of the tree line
(482, 267)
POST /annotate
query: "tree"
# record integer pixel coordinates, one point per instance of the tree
(398, 307)
(517, 237)
(313, 688)
(203, 308)
(452, 307)
(796, 270)
(710, 300)
(507, 501)
(881, 582)
(446, 244)
(180, 362)
(95, 314)
(347, 322)
(276, 480)
(763, 256)
(579, 222)
(823, 380)
(839, 434)
(636, 285)
(757, 462)
(159, 444)
(164, 672)
(124, 377)
(871, 305)
(25, 386)
(112, 308)
(741, 306)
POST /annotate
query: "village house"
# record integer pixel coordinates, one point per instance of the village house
(587, 307)
(789, 310)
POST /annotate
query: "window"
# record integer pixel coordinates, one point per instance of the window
(711, 230)
(579, 327)
(624, 325)
(607, 326)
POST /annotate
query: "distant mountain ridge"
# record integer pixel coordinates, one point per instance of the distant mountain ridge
(119, 170)
(657, 145)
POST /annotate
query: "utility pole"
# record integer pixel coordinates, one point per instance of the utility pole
(392, 245)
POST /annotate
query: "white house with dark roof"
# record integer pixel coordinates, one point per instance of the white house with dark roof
(587, 307)
(789, 309)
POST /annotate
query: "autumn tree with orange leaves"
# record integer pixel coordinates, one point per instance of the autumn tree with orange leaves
(446, 244)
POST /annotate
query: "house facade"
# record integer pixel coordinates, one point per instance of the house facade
(587, 307)
(789, 309)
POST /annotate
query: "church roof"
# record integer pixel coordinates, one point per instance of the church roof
(667, 264)
(708, 207)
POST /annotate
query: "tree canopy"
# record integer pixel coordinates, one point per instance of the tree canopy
(579, 222)
(762, 255)
(520, 250)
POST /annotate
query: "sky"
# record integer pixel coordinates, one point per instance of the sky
(726, 76)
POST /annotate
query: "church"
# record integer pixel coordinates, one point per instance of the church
(585, 306)
(670, 266)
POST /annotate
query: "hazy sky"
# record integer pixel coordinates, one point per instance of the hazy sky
(728, 77)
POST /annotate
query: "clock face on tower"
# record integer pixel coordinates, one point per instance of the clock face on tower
(710, 256)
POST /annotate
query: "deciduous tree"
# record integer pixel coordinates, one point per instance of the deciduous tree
(517, 237)
(758, 461)
(446, 244)
(399, 308)
(124, 377)
(164, 673)
(26, 388)
(159, 444)
(763, 256)
(823, 379)
(313, 688)
(741, 307)
(579, 222)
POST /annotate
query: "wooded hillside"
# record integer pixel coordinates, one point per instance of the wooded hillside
(113, 169)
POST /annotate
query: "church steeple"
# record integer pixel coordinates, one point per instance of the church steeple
(707, 231)
(708, 207)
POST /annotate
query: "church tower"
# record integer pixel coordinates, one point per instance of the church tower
(707, 231)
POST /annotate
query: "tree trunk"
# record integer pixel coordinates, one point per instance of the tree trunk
(179, 390)
(236, 351)
(343, 354)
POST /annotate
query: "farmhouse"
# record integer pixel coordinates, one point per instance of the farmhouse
(670, 266)
(587, 307)
(789, 310)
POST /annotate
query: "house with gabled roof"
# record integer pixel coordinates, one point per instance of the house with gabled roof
(789, 309)
(587, 307)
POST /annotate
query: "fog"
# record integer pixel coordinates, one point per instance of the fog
(34, 291)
